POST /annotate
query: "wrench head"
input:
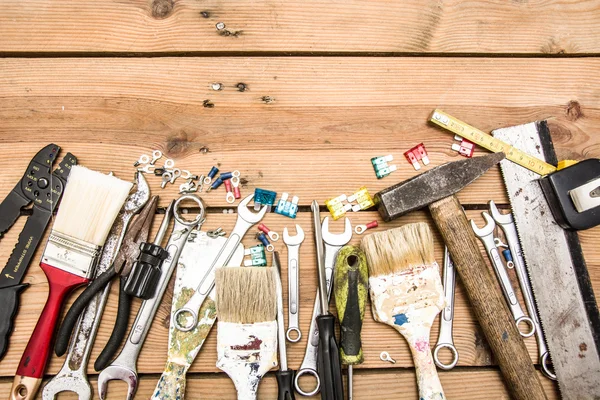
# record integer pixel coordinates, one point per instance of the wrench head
(488, 229)
(113, 372)
(334, 239)
(140, 197)
(69, 382)
(500, 218)
(293, 240)
(247, 215)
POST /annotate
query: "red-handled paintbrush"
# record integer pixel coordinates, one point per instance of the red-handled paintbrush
(90, 204)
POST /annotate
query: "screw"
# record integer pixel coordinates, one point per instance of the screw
(220, 26)
(217, 86)
(241, 87)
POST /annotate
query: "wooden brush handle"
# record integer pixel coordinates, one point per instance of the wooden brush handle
(171, 385)
(430, 387)
(33, 362)
(484, 294)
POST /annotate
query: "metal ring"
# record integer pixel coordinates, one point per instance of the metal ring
(230, 198)
(144, 159)
(207, 180)
(185, 328)
(199, 218)
(359, 229)
(169, 163)
(236, 173)
(270, 247)
(544, 361)
(454, 356)
(273, 235)
(309, 371)
(235, 180)
(289, 338)
(529, 322)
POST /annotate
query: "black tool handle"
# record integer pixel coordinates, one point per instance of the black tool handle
(285, 384)
(328, 360)
(119, 331)
(351, 324)
(9, 299)
(66, 329)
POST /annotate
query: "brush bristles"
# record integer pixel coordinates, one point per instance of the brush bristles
(246, 295)
(399, 249)
(90, 204)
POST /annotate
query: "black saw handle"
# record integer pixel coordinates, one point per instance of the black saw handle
(9, 300)
(285, 384)
(66, 329)
(328, 360)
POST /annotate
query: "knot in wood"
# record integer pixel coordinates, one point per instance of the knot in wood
(162, 8)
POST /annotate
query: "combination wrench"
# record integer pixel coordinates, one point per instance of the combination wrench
(293, 247)
(486, 235)
(507, 224)
(72, 377)
(124, 367)
(445, 339)
(333, 243)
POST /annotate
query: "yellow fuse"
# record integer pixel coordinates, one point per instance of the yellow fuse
(336, 206)
(363, 198)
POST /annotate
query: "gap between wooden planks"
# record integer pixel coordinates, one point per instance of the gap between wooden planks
(133, 27)
(376, 337)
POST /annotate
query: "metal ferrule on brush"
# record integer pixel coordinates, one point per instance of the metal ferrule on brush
(72, 255)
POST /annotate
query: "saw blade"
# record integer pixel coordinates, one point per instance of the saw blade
(569, 331)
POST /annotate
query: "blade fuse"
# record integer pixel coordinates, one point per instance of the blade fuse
(266, 197)
(381, 166)
(465, 148)
(287, 208)
(416, 154)
(336, 206)
(258, 257)
(363, 198)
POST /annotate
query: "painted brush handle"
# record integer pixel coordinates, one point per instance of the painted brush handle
(33, 362)
(171, 385)
(430, 387)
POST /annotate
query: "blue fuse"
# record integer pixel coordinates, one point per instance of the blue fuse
(264, 197)
(213, 172)
(263, 239)
(282, 202)
(293, 210)
(508, 257)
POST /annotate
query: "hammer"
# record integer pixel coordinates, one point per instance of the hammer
(436, 189)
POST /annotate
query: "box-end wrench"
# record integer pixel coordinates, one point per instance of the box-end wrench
(293, 247)
(186, 318)
(124, 367)
(445, 339)
(73, 375)
(333, 243)
(486, 235)
(507, 224)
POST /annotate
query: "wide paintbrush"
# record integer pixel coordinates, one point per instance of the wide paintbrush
(407, 294)
(89, 207)
(247, 327)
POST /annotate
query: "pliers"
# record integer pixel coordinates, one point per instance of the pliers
(136, 236)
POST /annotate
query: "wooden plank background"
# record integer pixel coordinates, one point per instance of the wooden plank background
(325, 86)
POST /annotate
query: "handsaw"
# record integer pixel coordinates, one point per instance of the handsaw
(557, 270)
(42, 187)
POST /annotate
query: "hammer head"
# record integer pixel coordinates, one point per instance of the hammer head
(433, 185)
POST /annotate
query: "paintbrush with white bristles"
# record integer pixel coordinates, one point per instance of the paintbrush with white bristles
(406, 293)
(247, 328)
(89, 207)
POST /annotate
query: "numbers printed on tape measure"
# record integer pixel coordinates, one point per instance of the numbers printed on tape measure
(491, 143)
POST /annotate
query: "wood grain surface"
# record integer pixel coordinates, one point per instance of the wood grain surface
(181, 26)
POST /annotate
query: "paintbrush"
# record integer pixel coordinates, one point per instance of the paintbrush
(406, 293)
(89, 207)
(247, 328)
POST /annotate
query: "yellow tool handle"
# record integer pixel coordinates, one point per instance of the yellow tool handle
(489, 142)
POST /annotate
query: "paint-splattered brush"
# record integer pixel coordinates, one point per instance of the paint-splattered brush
(247, 327)
(90, 205)
(407, 294)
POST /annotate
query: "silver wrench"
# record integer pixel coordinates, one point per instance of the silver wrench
(124, 367)
(486, 235)
(445, 339)
(507, 224)
(188, 314)
(333, 243)
(293, 247)
(72, 377)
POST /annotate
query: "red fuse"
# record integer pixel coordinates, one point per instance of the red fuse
(465, 148)
(415, 154)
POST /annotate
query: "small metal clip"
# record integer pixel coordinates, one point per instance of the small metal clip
(144, 159)
(385, 356)
(156, 155)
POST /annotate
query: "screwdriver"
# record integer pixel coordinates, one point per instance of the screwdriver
(284, 376)
(328, 358)
(351, 290)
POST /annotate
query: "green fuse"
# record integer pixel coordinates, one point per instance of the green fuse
(256, 262)
(380, 164)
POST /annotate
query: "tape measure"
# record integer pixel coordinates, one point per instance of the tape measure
(491, 143)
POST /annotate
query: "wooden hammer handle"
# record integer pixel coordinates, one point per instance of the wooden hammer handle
(484, 294)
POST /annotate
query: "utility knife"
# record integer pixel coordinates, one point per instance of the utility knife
(42, 187)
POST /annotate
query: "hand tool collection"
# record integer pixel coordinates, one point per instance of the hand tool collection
(102, 230)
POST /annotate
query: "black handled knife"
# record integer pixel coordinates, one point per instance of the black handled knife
(43, 188)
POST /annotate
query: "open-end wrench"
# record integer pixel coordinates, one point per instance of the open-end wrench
(333, 243)
(507, 224)
(124, 367)
(445, 339)
(186, 318)
(293, 246)
(73, 375)
(486, 235)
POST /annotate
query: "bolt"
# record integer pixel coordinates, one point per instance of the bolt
(220, 26)
(241, 87)
(217, 86)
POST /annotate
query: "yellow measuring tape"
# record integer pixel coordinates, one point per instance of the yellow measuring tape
(491, 143)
